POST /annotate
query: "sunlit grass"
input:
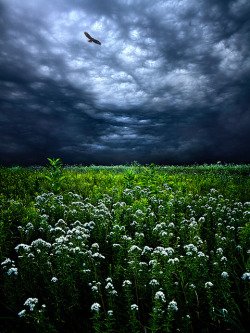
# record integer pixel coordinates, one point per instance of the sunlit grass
(125, 249)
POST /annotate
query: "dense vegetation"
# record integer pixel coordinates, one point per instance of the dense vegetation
(125, 248)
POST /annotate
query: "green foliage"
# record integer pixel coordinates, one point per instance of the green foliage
(55, 177)
(129, 177)
(125, 249)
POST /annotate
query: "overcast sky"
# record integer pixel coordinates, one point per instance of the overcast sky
(169, 84)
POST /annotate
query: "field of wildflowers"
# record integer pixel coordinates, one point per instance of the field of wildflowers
(125, 249)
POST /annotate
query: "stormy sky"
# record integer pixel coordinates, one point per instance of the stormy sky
(170, 83)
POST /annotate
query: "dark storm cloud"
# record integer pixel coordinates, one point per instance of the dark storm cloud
(169, 84)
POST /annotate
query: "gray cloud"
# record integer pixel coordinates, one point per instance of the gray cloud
(169, 84)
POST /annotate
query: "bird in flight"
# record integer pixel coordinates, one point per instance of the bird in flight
(91, 39)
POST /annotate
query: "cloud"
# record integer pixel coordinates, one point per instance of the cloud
(167, 84)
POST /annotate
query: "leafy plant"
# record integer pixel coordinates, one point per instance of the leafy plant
(129, 178)
(55, 177)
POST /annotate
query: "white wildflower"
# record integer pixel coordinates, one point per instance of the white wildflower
(31, 302)
(142, 263)
(109, 286)
(153, 282)
(190, 247)
(146, 248)
(224, 274)
(22, 313)
(134, 307)
(6, 261)
(117, 245)
(108, 279)
(25, 247)
(134, 247)
(126, 238)
(41, 242)
(54, 279)
(160, 295)
(153, 262)
(139, 234)
(172, 306)
(208, 285)
(246, 276)
(126, 283)
(12, 270)
(172, 261)
(163, 251)
(193, 224)
(95, 307)
(98, 255)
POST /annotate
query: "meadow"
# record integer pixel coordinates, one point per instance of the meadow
(125, 248)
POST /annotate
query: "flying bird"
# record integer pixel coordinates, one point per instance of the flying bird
(91, 39)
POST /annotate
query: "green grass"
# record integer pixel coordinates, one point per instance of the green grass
(125, 248)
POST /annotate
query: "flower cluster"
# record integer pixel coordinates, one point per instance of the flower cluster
(9, 265)
(138, 248)
(31, 302)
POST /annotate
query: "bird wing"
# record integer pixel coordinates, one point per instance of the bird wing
(96, 41)
(87, 35)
